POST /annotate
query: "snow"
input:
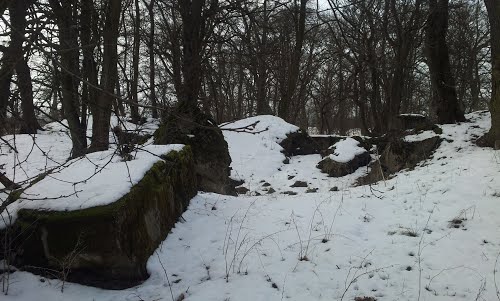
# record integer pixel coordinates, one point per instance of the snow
(50, 148)
(412, 115)
(392, 241)
(420, 136)
(272, 127)
(346, 150)
(94, 180)
(72, 185)
(256, 153)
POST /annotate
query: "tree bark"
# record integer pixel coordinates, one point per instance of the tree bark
(442, 82)
(294, 67)
(193, 33)
(68, 48)
(403, 41)
(6, 70)
(493, 7)
(18, 11)
(152, 69)
(102, 109)
(89, 37)
(134, 108)
(261, 81)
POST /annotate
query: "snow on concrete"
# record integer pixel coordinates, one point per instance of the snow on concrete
(391, 241)
(94, 180)
(346, 150)
(272, 127)
(412, 115)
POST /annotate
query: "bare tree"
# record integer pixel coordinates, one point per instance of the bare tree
(493, 8)
(468, 43)
(102, 107)
(195, 18)
(294, 64)
(89, 36)
(15, 59)
(444, 93)
(152, 63)
(261, 60)
(134, 108)
(65, 13)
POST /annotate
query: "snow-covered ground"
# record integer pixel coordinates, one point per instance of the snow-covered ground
(431, 233)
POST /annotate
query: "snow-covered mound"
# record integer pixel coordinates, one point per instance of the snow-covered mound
(24, 157)
(93, 180)
(254, 146)
(346, 150)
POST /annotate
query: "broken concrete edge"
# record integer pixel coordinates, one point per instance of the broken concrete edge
(399, 155)
(300, 143)
(209, 147)
(106, 246)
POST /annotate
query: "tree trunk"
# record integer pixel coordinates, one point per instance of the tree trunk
(102, 109)
(7, 66)
(30, 124)
(174, 32)
(18, 10)
(5, 76)
(152, 72)
(475, 87)
(68, 49)
(89, 37)
(134, 108)
(402, 41)
(294, 67)
(261, 98)
(493, 7)
(54, 110)
(193, 28)
(442, 81)
(119, 108)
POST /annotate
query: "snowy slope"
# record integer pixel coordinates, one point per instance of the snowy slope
(255, 152)
(393, 241)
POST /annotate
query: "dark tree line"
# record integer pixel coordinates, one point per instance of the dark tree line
(335, 67)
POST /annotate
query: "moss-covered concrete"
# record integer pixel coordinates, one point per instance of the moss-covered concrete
(108, 246)
(210, 150)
